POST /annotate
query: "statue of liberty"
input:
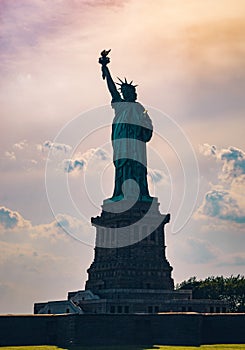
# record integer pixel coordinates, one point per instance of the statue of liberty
(131, 129)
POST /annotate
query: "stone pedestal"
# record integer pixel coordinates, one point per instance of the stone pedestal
(130, 248)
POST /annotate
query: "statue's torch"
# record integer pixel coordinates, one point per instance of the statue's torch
(104, 60)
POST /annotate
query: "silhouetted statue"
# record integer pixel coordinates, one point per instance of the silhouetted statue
(131, 129)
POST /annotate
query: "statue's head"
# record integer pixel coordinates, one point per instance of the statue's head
(128, 90)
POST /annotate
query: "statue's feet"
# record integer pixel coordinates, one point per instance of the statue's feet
(141, 198)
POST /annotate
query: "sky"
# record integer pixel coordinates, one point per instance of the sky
(188, 61)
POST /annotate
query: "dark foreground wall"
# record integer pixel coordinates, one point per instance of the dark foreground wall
(168, 328)
(223, 329)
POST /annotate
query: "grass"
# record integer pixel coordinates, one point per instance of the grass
(159, 347)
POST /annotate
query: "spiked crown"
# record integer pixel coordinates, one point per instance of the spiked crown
(125, 85)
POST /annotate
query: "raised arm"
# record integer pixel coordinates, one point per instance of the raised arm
(111, 85)
(104, 60)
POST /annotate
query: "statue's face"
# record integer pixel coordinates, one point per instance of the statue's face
(129, 94)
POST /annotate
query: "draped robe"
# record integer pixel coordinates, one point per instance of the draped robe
(131, 129)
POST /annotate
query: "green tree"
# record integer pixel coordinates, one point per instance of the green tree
(229, 289)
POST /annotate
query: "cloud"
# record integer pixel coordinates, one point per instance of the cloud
(208, 150)
(30, 251)
(10, 155)
(25, 152)
(222, 205)
(198, 251)
(101, 154)
(226, 199)
(68, 223)
(70, 165)
(202, 251)
(159, 184)
(231, 158)
(20, 145)
(81, 161)
(157, 176)
(33, 156)
(23, 156)
(10, 219)
(234, 162)
(56, 147)
(237, 259)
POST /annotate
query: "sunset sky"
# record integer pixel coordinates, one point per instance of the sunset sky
(188, 59)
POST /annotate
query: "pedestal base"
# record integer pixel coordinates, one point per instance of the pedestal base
(130, 248)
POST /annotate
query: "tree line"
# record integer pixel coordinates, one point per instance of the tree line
(229, 289)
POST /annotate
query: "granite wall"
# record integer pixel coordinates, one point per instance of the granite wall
(95, 330)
